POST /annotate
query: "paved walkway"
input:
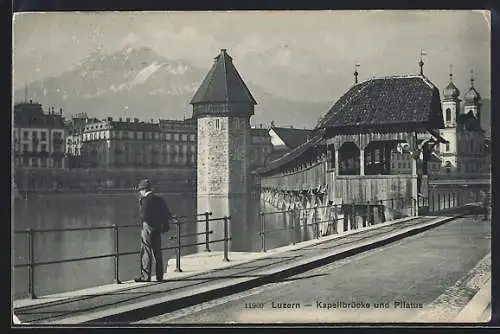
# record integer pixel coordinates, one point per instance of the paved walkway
(130, 302)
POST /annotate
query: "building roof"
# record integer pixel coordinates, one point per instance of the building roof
(223, 84)
(259, 132)
(32, 115)
(292, 137)
(408, 101)
(135, 126)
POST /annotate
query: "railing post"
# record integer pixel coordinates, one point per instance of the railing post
(31, 259)
(207, 234)
(292, 219)
(263, 232)
(226, 239)
(117, 254)
(178, 250)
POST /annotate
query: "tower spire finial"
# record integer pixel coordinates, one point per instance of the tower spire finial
(472, 78)
(451, 72)
(421, 62)
(356, 73)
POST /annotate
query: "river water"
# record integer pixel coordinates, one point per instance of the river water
(73, 210)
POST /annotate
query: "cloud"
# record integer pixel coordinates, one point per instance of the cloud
(131, 38)
(302, 55)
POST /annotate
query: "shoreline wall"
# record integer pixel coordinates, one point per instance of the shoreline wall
(102, 180)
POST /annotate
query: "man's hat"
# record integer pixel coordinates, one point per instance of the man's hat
(144, 184)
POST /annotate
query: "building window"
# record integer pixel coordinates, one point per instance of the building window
(44, 148)
(43, 162)
(44, 136)
(448, 115)
(217, 124)
(25, 148)
(25, 135)
(34, 162)
(184, 137)
(447, 147)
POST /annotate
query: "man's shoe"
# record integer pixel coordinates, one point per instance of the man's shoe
(140, 279)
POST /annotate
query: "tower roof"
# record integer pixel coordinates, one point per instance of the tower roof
(472, 95)
(451, 91)
(223, 83)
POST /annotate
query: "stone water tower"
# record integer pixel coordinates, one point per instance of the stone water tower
(223, 106)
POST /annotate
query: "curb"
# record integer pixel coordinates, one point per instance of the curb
(476, 308)
(150, 308)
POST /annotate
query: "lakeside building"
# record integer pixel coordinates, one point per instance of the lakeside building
(38, 137)
(134, 143)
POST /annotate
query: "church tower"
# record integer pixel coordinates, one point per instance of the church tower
(451, 103)
(472, 100)
(451, 109)
(223, 106)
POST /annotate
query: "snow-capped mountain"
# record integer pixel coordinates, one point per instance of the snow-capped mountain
(137, 82)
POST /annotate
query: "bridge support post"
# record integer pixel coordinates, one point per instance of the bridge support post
(361, 161)
(336, 160)
(263, 231)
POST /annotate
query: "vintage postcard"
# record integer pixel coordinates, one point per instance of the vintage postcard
(251, 167)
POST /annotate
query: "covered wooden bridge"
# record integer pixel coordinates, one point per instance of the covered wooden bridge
(348, 158)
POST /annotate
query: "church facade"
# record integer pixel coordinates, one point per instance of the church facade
(465, 151)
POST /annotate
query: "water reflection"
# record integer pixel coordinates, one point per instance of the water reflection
(66, 211)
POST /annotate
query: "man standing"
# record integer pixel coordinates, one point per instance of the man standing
(155, 217)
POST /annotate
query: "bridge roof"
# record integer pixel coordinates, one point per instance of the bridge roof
(398, 101)
(223, 83)
(290, 156)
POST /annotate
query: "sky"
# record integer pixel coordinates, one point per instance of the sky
(298, 55)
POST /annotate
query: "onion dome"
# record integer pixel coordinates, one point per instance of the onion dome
(472, 95)
(451, 91)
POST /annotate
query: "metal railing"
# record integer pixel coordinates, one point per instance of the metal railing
(341, 212)
(181, 221)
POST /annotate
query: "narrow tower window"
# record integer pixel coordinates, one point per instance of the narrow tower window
(448, 115)
(217, 125)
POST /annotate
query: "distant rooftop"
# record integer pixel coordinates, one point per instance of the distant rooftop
(32, 115)
(292, 137)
